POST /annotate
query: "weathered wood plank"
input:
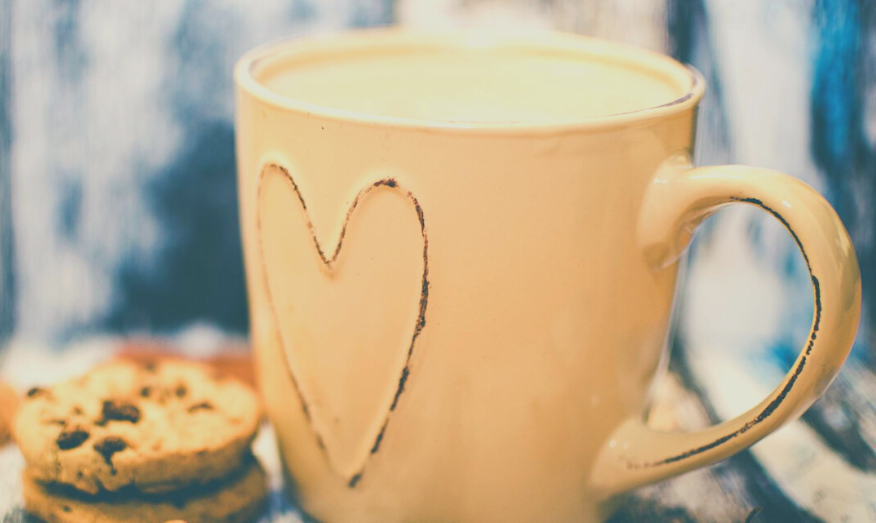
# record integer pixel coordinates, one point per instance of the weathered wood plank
(796, 458)
(779, 477)
(7, 269)
(845, 418)
(727, 492)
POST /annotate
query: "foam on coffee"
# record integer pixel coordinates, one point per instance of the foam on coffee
(472, 84)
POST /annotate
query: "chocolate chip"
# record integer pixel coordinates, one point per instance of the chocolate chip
(109, 446)
(77, 411)
(70, 439)
(150, 365)
(36, 391)
(204, 405)
(113, 411)
(65, 508)
(145, 392)
(181, 390)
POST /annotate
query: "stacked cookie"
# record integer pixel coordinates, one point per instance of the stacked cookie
(151, 442)
(8, 402)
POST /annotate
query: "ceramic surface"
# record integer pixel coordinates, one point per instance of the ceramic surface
(461, 254)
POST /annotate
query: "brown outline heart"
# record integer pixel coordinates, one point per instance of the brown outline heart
(329, 262)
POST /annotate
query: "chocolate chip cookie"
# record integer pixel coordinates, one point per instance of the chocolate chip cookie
(237, 499)
(155, 426)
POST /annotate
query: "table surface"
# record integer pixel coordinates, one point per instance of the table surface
(821, 468)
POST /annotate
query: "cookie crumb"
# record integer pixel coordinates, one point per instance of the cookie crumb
(70, 439)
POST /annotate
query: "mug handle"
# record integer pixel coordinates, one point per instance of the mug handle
(677, 201)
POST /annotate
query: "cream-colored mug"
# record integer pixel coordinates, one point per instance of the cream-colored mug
(461, 252)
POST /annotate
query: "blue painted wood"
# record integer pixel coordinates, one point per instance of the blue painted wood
(122, 157)
(7, 273)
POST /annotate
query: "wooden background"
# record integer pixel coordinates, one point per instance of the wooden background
(118, 201)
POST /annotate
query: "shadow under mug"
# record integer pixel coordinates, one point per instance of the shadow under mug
(461, 253)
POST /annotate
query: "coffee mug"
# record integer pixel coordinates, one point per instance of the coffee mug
(461, 252)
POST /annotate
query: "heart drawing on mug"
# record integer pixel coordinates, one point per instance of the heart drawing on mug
(348, 317)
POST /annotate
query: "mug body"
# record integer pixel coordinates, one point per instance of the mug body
(449, 309)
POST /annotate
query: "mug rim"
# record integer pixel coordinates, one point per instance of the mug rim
(363, 40)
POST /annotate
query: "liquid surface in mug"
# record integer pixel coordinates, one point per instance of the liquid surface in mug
(500, 85)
